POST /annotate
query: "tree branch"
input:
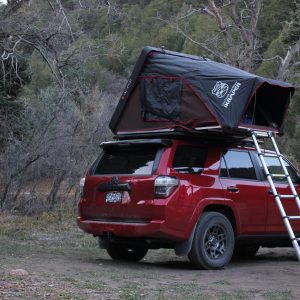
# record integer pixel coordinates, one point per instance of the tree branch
(65, 18)
(201, 45)
(283, 71)
(45, 58)
(220, 22)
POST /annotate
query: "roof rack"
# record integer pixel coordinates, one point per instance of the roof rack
(219, 136)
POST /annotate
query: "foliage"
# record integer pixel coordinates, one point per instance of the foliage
(62, 69)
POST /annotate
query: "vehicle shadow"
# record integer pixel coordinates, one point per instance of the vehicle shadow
(269, 255)
(166, 264)
(265, 256)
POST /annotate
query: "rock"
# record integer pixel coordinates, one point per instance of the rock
(18, 272)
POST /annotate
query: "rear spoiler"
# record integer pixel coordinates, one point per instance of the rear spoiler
(137, 143)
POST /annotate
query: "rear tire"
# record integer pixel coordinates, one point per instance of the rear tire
(126, 253)
(213, 242)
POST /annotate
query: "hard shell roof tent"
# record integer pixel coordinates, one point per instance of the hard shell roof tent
(170, 92)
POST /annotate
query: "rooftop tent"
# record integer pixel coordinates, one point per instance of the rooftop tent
(171, 91)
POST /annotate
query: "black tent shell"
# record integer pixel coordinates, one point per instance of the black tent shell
(168, 91)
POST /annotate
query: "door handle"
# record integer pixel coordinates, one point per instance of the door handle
(233, 189)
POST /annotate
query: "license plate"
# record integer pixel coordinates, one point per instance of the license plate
(113, 197)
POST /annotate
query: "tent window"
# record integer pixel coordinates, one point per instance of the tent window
(161, 98)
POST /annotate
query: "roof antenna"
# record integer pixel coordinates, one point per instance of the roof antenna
(163, 49)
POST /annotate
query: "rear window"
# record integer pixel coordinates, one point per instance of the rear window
(133, 161)
(189, 159)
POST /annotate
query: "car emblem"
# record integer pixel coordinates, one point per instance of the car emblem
(115, 180)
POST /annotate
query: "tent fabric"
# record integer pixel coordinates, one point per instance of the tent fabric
(134, 117)
(226, 94)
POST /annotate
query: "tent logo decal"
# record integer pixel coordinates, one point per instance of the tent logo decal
(220, 89)
(232, 92)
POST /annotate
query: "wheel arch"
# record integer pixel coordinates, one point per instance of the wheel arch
(225, 210)
(183, 248)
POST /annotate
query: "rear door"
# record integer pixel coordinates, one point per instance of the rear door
(240, 181)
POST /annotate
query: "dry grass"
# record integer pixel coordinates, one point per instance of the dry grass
(64, 263)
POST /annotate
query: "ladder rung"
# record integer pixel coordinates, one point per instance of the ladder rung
(288, 196)
(278, 175)
(296, 239)
(261, 134)
(270, 155)
(292, 217)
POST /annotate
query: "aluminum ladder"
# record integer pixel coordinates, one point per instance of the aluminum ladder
(278, 198)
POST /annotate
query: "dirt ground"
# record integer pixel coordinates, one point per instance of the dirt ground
(64, 263)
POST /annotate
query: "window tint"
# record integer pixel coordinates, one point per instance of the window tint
(292, 172)
(134, 161)
(275, 167)
(189, 159)
(239, 165)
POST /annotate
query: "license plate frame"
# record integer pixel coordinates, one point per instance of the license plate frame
(113, 197)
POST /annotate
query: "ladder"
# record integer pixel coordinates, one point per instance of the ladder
(278, 198)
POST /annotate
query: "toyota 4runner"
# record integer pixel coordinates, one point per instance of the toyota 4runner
(204, 200)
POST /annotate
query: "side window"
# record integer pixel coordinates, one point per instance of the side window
(189, 159)
(239, 165)
(275, 167)
(292, 172)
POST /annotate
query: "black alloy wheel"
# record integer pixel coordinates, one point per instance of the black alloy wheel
(213, 242)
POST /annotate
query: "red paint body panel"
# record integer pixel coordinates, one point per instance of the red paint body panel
(174, 218)
(274, 220)
(250, 202)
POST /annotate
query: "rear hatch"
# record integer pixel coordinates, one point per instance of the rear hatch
(121, 184)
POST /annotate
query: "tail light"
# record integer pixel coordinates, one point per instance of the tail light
(164, 186)
(81, 186)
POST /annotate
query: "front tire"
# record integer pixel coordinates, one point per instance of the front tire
(213, 242)
(126, 253)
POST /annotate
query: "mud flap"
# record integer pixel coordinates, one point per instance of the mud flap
(183, 249)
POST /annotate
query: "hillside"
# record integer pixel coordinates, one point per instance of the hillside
(64, 63)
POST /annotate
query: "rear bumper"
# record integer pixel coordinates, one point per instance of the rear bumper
(151, 229)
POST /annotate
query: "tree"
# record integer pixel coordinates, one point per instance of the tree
(62, 64)
(231, 30)
(56, 132)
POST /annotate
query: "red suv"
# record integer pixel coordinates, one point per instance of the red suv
(205, 200)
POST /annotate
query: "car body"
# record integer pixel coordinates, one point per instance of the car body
(204, 199)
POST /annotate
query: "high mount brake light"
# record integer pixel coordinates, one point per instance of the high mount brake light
(164, 186)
